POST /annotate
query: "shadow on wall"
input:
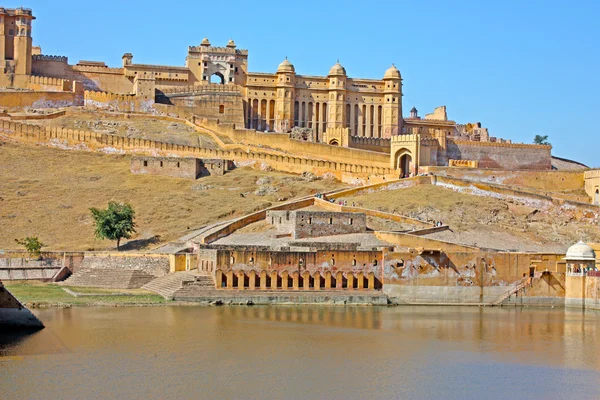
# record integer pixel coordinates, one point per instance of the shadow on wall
(139, 244)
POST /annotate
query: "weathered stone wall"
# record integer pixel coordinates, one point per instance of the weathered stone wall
(223, 103)
(463, 276)
(154, 264)
(592, 185)
(305, 224)
(13, 314)
(39, 99)
(542, 180)
(582, 291)
(176, 167)
(501, 155)
(117, 102)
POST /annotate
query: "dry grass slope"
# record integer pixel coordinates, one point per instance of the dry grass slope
(486, 221)
(48, 192)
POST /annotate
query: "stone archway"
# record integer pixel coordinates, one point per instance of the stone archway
(597, 197)
(334, 142)
(402, 162)
(217, 77)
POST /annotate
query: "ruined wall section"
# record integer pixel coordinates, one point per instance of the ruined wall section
(117, 102)
(502, 155)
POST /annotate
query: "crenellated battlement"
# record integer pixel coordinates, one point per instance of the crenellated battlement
(215, 49)
(370, 141)
(45, 57)
(106, 97)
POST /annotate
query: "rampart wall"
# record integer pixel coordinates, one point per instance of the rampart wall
(301, 148)
(102, 141)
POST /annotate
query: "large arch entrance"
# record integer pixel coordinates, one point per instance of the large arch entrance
(217, 77)
(597, 197)
(402, 161)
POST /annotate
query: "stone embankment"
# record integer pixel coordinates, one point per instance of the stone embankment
(109, 278)
(13, 315)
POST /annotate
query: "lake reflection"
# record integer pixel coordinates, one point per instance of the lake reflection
(309, 352)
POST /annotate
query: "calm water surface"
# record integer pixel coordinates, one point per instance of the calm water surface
(319, 353)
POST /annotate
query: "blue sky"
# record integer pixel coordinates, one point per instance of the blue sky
(519, 67)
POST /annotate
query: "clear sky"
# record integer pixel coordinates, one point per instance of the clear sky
(519, 67)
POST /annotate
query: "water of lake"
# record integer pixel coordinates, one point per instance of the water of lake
(284, 352)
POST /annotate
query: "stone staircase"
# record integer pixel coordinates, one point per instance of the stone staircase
(523, 283)
(168, 285)
(109, 278)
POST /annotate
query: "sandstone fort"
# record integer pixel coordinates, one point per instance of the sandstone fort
(215, 116)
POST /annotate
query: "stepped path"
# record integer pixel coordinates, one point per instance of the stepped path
(167, 285)
(109, 278)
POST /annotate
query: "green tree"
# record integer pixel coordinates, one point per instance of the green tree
(32, 244)
(541, 139)
(115, 222)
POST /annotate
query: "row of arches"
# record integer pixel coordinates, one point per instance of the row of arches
(275, 280)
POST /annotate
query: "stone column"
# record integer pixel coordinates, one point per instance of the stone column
(350, 278)
(218, 279)
(284, 280)
(317, 281)
(371, 278)
(361, 280)
(229, 279)
(267, 122)
(339, 280)
(328, 280)
(252, 280)
(263, 280)
(241, 279)
(296, 280)
(306, 280)
(352, 117)
(273, 279)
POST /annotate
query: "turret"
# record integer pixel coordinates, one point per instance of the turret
(286, 82)
(392, 106)
(127, 58)
(336, 106)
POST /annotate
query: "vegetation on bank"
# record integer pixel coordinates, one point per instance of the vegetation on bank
(40, 294)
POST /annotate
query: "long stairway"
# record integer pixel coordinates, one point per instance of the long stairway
(168, 285)
(109, 278)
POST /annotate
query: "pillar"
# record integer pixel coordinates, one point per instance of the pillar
(361, 280)
(296, 280)
(328, 280)
(306, 280)
(317, 280)
(229, 275)
(218, 279)
(339, 280)
(350, 279)
(241, 279)
(252, 280)
(263, 280)
(371, 278)
(284, 280)
(273, 279)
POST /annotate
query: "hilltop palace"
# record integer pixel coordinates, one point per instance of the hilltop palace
(216, 86)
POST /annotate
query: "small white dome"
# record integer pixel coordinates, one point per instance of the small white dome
(580, 252)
